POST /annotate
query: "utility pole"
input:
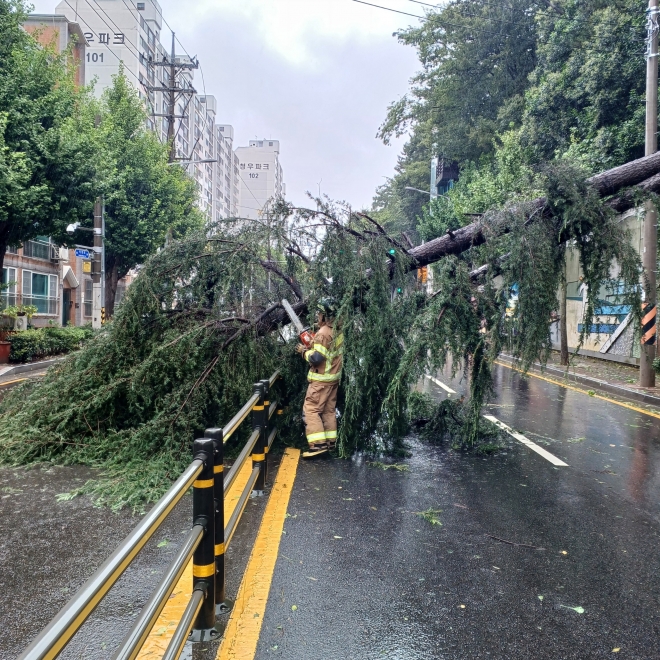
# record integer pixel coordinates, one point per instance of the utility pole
(172, 91)
(97, 285)
(171, 104)
(650, 255)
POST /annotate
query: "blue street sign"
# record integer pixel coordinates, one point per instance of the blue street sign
(82, 253)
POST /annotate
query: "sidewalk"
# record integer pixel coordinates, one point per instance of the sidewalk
(13, 374)
(617, 379)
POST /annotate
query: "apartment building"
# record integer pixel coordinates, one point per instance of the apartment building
(261, 177)
(129, 33)
(228, 182)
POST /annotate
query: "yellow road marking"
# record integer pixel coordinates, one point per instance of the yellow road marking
(242, 632)
(11, 382)
(577, 389)
(169, 618)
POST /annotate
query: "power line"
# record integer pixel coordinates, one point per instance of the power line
(396, 11)
(424, 18)
(462, 13)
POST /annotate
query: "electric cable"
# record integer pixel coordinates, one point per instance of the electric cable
(425, 18)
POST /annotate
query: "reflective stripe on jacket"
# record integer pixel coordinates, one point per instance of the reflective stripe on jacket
(331, 348)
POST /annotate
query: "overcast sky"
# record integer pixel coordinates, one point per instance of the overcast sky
(316, 74)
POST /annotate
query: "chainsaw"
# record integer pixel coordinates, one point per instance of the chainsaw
(305, 334)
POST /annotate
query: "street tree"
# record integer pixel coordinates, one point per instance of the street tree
(46, 161)
(146, 198)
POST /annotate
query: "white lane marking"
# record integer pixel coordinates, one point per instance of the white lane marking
(525, 441)
(441, 384)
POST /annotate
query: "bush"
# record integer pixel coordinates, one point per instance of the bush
(34, 344)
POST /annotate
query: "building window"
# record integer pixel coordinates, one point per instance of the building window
(41, 291)
(37, 249)
(8, 294)
(12, 249)
(89, 297)
(140, 6)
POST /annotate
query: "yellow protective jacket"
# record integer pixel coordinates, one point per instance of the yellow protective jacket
(325, 356)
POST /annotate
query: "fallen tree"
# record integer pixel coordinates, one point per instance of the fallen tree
(202, 322)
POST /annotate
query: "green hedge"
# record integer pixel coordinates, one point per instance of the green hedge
(36, 344)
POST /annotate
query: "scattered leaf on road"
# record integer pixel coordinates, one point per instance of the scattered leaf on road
(430, 515)
(163, 543)
(338, 537)
(616, 650)
(563, 552)
(540, 597)
(294, 608)
(578, 609)
(400, 467)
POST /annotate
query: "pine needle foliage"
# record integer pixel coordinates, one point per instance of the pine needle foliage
(201, 324)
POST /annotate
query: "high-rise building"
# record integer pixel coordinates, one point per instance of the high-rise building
(261, 177)
(227, 197)
(128, 32)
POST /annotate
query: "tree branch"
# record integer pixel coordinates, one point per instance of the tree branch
(274, 268)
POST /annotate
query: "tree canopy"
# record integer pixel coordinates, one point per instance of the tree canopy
(47, 164)
(563, 78)
(146, 197)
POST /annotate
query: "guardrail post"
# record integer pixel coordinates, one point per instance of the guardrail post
(222, 605)
(259, 415)
(204, 556)
(266, 428)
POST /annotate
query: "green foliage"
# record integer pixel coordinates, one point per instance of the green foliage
(145, 197)
(46, 164)
(36, 344)
(476, 57)
(200, 325)
(131, 400)
(567, 76)
(498, 179)
(586, 97)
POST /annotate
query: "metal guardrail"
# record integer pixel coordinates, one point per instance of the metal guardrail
(206, 543)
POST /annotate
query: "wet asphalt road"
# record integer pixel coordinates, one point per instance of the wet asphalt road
(370, 578)
(49, 548)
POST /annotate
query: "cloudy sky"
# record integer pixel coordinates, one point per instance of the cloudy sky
(316, 74)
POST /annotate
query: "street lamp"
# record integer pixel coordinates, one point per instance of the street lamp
(98, 263)
(425, 192)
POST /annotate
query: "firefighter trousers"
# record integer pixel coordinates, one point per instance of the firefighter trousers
(319, 413)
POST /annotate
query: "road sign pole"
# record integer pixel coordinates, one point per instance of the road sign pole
(96, 265)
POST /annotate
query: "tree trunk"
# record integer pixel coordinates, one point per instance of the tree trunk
(563, 330)
(641, 173)
(644, 173)
(630, 174)
(111, 279)
(3, 251)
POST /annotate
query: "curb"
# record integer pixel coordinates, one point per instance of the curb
(31, 366)
(594, 383)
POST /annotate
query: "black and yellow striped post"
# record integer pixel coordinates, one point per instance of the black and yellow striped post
(266, 428)
(222, 606)
(648, 324)
(204, 556)
(259, 415)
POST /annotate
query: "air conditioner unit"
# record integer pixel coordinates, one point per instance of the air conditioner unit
(20, 323)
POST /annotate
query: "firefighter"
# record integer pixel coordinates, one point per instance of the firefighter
(325, 362)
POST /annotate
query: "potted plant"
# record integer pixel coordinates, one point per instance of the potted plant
(30, 311)
(10, 312)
